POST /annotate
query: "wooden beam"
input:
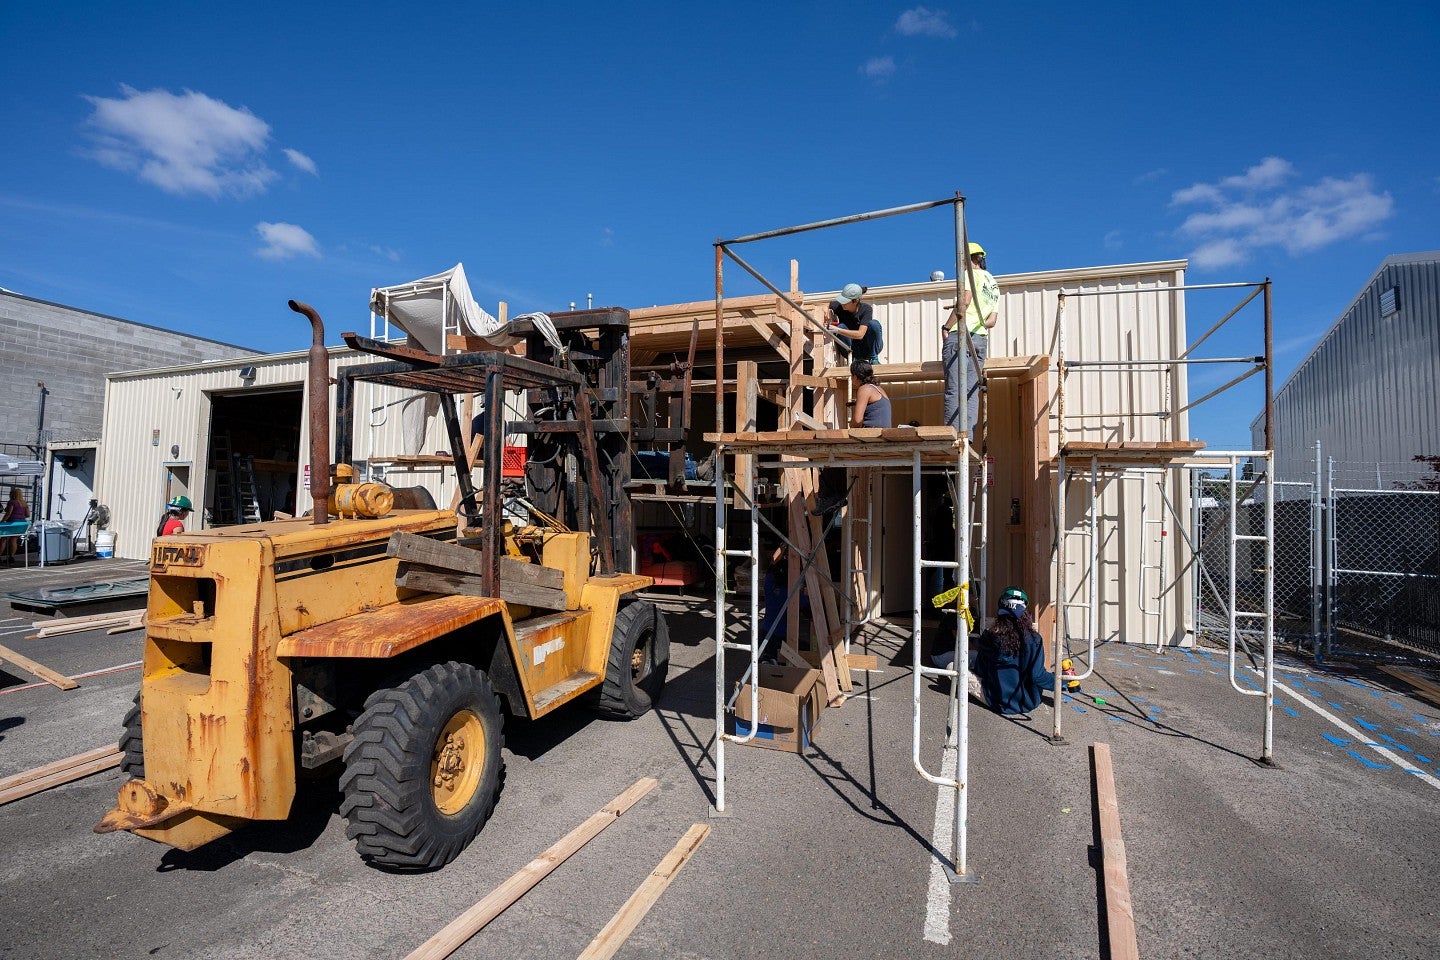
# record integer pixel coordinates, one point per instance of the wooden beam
(472, 921)
(1423, 687)
(430, 580)
(128, 621)
(41, 778)
(37, 669)
(776, 341)
(1119, 911)
(610, 939)
(747, 396)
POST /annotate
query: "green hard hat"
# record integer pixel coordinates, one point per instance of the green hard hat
(179, 503)
(1013, 603)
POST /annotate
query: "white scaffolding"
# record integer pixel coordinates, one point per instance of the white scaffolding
(1107, 461)
(853, 449)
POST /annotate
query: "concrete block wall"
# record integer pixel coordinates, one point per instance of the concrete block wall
(71, 351)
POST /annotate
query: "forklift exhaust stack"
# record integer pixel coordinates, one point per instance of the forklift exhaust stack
(319, 414)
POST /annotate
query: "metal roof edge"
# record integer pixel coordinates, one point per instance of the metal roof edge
(133, 323)
(1065, 275)
(336, 352)
(1393, 260)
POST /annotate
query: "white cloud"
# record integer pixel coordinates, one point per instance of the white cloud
(607, 237)
(878, 68)
(301, 161)
(183, 144)
(1114, 240)
(284, 241)
(1259, 209)
(924, 22)
(389, 253)
(1149, 176)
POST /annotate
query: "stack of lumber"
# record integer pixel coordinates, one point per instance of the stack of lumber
(61, 771)
(437, 567)
(111, 622)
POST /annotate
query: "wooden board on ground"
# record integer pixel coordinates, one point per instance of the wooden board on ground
(609, 940)
(469, 923)
(1423, 687)
(37, 669)
(33, 781)
(1119, 910)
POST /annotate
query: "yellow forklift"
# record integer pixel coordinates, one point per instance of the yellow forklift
(391, 637)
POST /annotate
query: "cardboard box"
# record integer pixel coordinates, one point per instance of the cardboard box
(790, 703)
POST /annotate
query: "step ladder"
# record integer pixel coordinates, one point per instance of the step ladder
(249, 497)
(224, 463)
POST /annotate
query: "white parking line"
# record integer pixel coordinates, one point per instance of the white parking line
(1361, 738)
(937, 903)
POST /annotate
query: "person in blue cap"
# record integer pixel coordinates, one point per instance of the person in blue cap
(853, 319)
(1007, 660)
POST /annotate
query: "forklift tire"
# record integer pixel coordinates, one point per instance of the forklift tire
(131, 743)
(639, 660)
(425, 768)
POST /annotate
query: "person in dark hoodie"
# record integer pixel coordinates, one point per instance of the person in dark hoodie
(1007, 661)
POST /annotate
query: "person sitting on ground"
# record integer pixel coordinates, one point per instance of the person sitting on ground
(1007, 661)
(16, 510)
(173, 521)
(854, 321)
(872, 404)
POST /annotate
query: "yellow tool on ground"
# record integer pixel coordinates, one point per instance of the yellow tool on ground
(1072, 685)
(944, 599)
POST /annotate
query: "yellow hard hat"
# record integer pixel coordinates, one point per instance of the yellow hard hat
(976, 250)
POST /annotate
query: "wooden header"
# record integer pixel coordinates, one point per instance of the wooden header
(1019, 368)
(1134, 451)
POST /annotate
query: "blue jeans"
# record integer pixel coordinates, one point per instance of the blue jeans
(952, 354)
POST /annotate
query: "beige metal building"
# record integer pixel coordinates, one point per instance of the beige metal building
(164, 429)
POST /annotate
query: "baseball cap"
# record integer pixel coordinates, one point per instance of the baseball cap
(850, 293)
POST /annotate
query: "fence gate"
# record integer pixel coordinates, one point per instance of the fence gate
(1384, 575)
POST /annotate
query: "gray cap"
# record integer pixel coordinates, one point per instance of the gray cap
(850, 293)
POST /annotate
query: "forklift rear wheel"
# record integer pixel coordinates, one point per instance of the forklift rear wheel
(131, 744)
(639, 660)
(425, 768)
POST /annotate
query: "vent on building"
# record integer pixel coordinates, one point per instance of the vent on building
(1389, 301)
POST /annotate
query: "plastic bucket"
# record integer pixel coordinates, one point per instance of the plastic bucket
(105, 544)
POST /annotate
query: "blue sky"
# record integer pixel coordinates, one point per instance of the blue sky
(194, 166)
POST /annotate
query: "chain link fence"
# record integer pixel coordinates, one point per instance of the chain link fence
(1357, 559)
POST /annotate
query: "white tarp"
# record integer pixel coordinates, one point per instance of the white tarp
(429, 308)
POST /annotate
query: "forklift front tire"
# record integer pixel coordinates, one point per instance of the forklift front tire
(639, 660)
(425, 768)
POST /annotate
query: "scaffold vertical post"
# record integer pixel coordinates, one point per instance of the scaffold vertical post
(720, 568)
(1268, 750)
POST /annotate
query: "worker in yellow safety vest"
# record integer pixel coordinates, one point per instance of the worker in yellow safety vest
(980, 313)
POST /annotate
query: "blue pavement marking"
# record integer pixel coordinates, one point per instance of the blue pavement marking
(1418, 773)
(1388, 739)
(1397, 706)
(1139, 699)
(1422, 759)
(1406, 730)
(1116, 719)
(1193, 670)
(1401, 747)
(1338, 741)
(1376, 693)
(1078, 709)
(1366, 724)
(1369, 763)
(1334, 705)
(1291, 711)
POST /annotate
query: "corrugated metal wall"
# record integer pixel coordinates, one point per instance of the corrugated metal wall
(1109, 406)
(1370, 389)
(148, 413)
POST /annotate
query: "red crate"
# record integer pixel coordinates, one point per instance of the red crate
(512, 462)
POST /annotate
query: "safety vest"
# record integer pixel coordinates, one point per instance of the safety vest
(988, 301)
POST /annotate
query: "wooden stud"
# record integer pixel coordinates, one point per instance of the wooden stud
(609, 940)
(1119, 910)
(37, 669)
(472, 921)
(81, 765)
(747, 375)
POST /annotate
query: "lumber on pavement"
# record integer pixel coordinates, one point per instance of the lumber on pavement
(33, 781)
(129, 620)
(1423, 687)
(465, 926)
(613, 936)
(37, 669)
(1119, 910)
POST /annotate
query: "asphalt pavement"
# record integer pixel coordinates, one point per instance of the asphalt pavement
(1332, 853)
